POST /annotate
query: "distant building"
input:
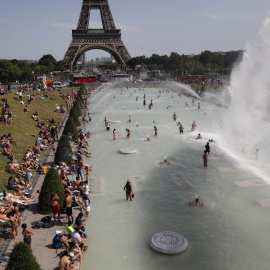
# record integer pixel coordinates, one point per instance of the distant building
(220, 53)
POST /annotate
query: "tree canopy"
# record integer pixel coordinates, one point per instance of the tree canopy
(203, 63)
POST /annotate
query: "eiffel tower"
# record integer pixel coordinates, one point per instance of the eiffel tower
(107, 38)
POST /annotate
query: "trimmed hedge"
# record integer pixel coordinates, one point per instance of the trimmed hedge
(63, 151)
(22, 258)
(80, 100)
(52, 184)
(71, 128)
(77, 108)
(81, 92)
(75, 117)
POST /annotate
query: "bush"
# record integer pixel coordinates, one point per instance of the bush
(22, 258)
(82, 91)
(80, 100)
(74, 117)
(77, 108)
(63, 151)
(52, 183)
(71, 128)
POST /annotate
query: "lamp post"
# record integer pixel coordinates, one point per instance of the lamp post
(33, 72)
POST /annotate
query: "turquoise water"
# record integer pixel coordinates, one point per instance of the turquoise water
(229, 232)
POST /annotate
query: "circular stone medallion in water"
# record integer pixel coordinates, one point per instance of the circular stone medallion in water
(114, 122)
(168, 243)
(128, 150)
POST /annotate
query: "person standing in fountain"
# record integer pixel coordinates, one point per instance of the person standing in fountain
(205, 158)
(128, 133)
(114, 134)
(181, 129)
(193, 126)
(207, 148)
(174, 116)
(128, 189)
(155, 130)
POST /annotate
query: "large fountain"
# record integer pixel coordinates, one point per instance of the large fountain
(231, 229)
(246, 125)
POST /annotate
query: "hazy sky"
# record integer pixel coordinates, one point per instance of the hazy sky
(31, 28)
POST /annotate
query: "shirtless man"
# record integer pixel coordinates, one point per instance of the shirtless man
(53, 200)
(128, 133)
(66, 263)
(174, 116)
(14, 225)
(68, 200)
(181, 129)
(27, 234)
(80, 167)
(193, 126)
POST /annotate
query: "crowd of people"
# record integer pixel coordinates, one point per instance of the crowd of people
(7, 114)
(76, 194)
(20, 181)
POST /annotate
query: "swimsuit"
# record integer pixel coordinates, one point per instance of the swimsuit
(69, 211)
(56, 209)
(28, 241)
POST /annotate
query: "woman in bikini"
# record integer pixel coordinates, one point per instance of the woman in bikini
(128, 189)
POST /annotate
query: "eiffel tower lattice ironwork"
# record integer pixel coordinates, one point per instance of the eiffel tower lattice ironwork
(107, 38)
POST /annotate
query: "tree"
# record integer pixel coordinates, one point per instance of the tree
(111, 66)
(206, 57)
(27, 74)
(46, 60)
(78, 108)
(70, 128)
(60, 66)
(74, 116)
(22, 258)
(8, 71)
(64, 151)
(52, 184)
(40, 70)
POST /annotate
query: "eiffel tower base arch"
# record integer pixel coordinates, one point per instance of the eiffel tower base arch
(115, 48)
(107, 38)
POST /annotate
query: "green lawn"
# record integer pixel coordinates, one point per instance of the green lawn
(24, 129)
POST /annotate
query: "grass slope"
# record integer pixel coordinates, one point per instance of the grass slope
(24, 127)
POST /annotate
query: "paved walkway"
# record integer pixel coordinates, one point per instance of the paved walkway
(42, 238)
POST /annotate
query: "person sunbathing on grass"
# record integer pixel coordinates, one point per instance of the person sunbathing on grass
(7, 152)
(17, 198)
(13, 167)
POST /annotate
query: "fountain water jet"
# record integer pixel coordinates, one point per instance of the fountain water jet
(246, 124)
